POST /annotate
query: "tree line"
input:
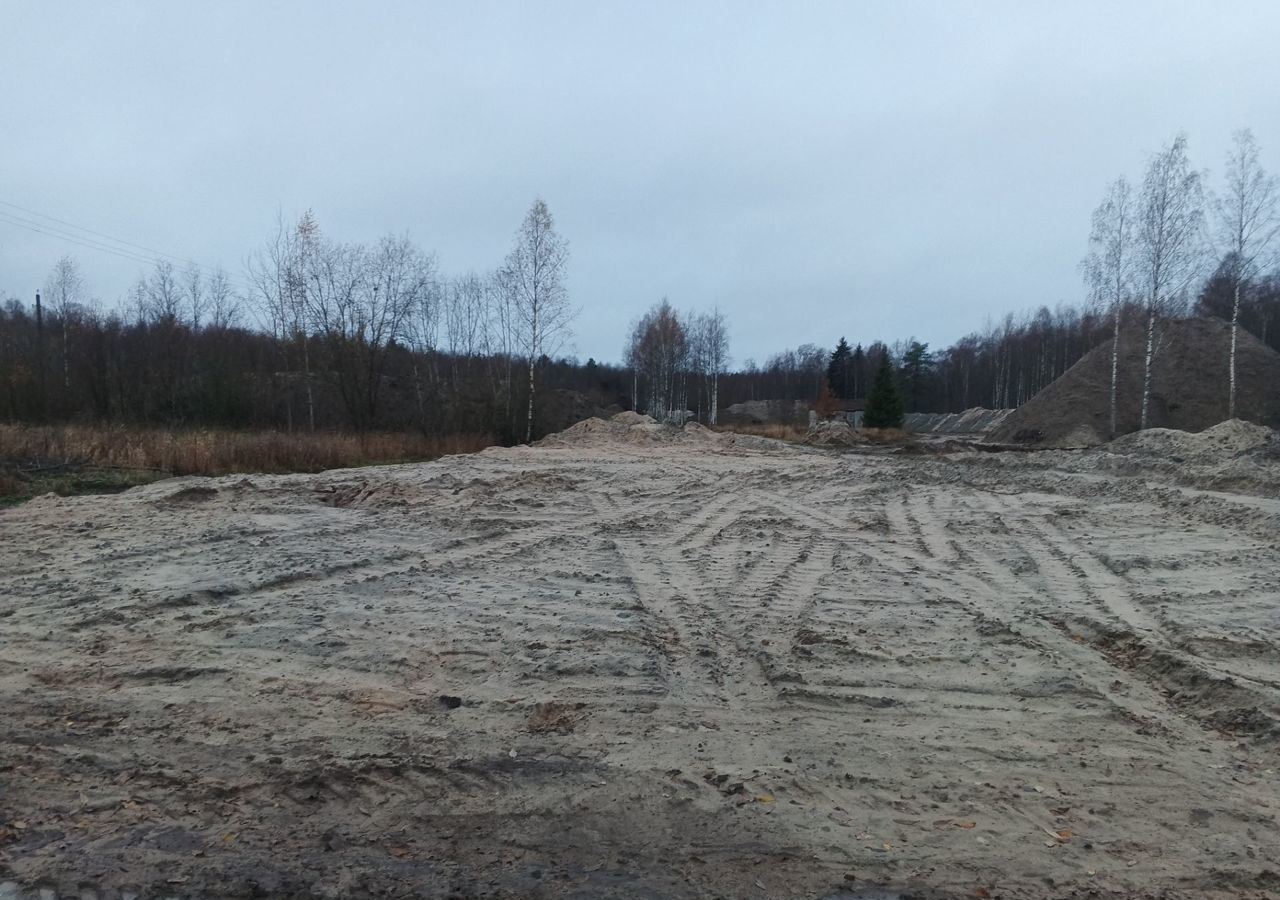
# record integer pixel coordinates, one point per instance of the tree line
(1149, 248)
(1172, 247)
(316, 334)
(321, 334)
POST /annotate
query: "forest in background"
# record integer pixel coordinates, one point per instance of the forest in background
(320, 335)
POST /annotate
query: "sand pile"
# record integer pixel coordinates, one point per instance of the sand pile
(626, 426)
(834, 433)
(633, 428)
(1078, 438)
(1189, 387)
(1226, 440)
(976, 420)
(588, 430)
(630, 417)
(1234, 456)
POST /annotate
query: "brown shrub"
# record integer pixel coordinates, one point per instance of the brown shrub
(27, 450)
(828, 403)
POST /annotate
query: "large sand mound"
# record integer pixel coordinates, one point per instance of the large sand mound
(1189, 387)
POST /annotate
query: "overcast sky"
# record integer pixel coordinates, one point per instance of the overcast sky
(878, 170)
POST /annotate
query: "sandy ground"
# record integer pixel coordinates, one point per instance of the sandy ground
(645, 670)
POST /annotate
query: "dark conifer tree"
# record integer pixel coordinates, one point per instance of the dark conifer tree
(857, 373)
(838, 371)
(884, 406)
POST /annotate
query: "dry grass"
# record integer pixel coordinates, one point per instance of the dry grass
(37, 458)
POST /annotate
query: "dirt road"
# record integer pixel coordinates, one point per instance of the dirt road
(644, 670)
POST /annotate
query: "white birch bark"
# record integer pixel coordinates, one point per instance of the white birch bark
(1248, 225)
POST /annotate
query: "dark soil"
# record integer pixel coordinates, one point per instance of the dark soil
(1189, 386)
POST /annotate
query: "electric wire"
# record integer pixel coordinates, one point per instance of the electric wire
(103, 242)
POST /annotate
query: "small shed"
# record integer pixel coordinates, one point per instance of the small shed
(850, 411)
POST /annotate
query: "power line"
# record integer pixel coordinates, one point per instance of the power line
(90, 244)
(75, 239)
(99, 234)
(97, 240)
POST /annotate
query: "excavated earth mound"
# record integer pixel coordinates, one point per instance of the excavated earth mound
(1189, 387)
(976, 420)
(1235, 456)
(1225, 440)
(834, 434)
(633, 428)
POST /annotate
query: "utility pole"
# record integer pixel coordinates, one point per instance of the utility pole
(40, 354)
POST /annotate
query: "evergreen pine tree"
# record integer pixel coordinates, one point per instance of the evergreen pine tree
(917, 367)
(838, 371)
(884, 406)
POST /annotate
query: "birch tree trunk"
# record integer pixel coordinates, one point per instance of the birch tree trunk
(528, 432)
(1249, 224)
(1169, 242)
(311, 400)
(1146, 364)
(1235, 331)
(533, 279)
(715, 396)
(1115, 365)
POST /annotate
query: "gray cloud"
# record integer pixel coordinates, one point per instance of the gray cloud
(879, 170)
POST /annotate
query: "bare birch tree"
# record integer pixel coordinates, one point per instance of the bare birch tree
(164, 294)
(464, 321)
(708, 358)
(1248, 225)
(660, 352)
(715, 338)
(631, 358)
(223, 304)
(193, 284)
(395, 278)
(1169, 242)
(64, 293)
(278, 273)
(1108, 269)
(534, 277)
